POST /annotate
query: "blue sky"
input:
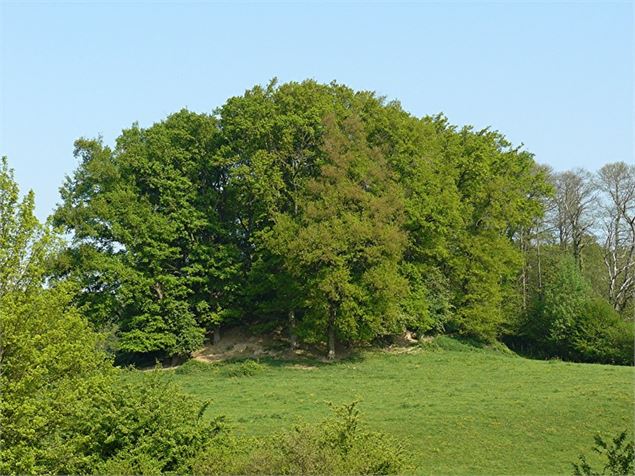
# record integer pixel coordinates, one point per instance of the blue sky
(557, 77)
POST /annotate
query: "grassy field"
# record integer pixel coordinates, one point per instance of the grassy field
(461, 410)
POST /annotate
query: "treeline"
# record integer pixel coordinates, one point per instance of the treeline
(341, 218)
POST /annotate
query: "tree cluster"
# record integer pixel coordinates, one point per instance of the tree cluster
(578, 277)
(329, 212)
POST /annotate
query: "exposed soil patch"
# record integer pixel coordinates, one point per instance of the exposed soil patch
(303, 367)
(236, 343)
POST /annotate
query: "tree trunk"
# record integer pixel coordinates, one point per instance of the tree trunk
(331, 335)
(216, 338)
(539, 268)
(523, 250)
(293, 338)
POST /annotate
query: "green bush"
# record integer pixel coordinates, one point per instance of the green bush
(601, 335)
(147, 427)
(64, 408)
(619, 454)
(336, 446)
(51, 369)
(194, 367)
(245, 368)
(570, 322)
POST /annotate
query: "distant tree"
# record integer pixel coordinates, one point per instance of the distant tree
(616, 182)
(573, 205)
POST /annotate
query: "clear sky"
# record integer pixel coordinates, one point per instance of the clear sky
(557, 77)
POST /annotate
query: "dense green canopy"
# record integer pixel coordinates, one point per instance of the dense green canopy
(302, 200)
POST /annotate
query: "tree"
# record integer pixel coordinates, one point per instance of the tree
(616, 182)
(269, 137)
(153, 236)
(186, 225)
(49, 358)
(24, 242)
(501, 192)
(573, 203)
(346, 243)
(570, 321)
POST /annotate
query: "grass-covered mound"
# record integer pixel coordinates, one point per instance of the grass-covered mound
(457, 409)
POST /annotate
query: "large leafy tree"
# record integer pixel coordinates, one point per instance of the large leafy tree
(150, 246)
(346, 243)
(271, 138)
(500, 190)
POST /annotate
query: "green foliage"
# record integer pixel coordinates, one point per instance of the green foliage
(245, 368)
(571, 322)
(500, 189)
(313, 204)
(65, 411)
(193, 366)
(338, 445)
(25, 245)
(564, 301)
(619, 454)
(345, 245)
(146, 425)
(151, 248)
(51, 369)
(603, 336)
(462, 344)
(50, 361)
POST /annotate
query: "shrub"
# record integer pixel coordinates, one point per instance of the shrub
(51, 368)
(619, 454)
(245, 368)
(64, 409)
(572, 323)
(600, 335)
(147, 427)
(194, 367)
(338, 445)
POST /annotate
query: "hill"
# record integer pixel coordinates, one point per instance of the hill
(460, 409)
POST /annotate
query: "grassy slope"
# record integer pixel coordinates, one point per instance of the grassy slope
(460, 410)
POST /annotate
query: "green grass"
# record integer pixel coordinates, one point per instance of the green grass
(461, 410)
